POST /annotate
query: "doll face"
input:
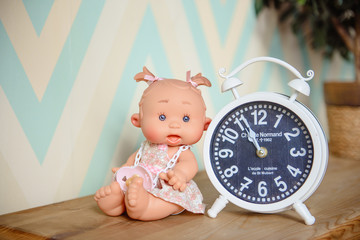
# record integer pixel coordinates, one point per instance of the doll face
(172, 116)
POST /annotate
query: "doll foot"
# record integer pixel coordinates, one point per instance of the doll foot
(137, 198)
(110, 199)
(142, 205)
(136, 192)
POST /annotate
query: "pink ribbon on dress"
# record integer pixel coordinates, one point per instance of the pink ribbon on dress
(188, 79)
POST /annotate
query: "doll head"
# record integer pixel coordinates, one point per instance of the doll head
(171, 111)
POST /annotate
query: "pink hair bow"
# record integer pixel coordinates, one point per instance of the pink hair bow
(152, 79)
(188, 79)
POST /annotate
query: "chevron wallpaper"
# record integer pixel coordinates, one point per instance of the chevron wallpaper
(67, 90)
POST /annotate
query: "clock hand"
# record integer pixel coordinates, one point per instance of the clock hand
(261, 152)
(252, 138)
(251, 133)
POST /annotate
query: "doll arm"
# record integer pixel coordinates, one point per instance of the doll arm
(129, 162)
(184, 170)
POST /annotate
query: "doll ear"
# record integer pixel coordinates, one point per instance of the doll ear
(200, 80)
(207, 123)
(141, 75)
(135, 120)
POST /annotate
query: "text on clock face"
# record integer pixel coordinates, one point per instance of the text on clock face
(261, 152)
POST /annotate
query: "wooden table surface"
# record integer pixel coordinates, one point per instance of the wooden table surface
(335, 205)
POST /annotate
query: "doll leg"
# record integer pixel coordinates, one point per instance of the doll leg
(110, 199)
(144, 206)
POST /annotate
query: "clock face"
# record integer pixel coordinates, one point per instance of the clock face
(261, 152)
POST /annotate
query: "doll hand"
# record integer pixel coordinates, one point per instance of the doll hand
(177, 181)
(115, 169)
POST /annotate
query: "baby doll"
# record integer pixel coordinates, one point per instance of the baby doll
(171, 117)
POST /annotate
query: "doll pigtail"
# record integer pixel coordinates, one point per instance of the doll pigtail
(197, 80)
(146, 76)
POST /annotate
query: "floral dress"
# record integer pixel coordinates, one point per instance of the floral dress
(154, 158)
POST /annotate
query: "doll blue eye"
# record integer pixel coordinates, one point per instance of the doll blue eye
(162, 117)
(186, 118)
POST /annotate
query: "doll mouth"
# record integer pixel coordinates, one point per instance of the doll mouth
(173, 139)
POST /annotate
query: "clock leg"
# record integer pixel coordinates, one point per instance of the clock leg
(218, 205)
(302, 210)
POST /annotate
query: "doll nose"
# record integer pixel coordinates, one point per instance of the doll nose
(174, 125)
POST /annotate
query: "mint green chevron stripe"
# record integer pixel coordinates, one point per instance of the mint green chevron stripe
(146, 45)
(317, 92)
(307, 66)
(316, 95)
(223, 12)
(347, 70)
(39, 119)
(276, 51)
(38, 11)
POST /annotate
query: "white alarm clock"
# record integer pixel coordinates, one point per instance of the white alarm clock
(265, 152)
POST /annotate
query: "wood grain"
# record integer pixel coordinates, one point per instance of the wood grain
(335, 205)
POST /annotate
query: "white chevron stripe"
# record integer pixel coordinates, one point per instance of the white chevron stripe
(181, 36)
(38, 55)
(258, 45)
(178, 41)
(222, 55)
(13, 199)
(176, 37)
(117, 48)
(168, 36)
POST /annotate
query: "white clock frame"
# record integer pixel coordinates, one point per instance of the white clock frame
(319, 141)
